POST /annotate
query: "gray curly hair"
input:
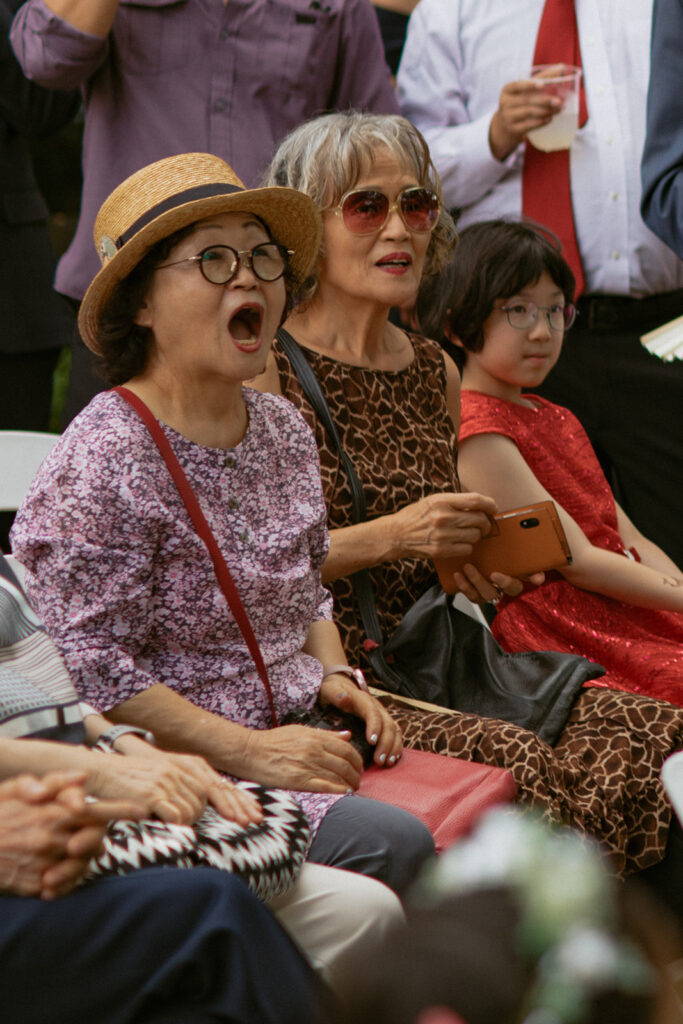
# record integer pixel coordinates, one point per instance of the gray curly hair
(326, 156)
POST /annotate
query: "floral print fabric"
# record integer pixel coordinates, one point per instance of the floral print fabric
(127, 589)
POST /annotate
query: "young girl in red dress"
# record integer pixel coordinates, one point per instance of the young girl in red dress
(619, 603)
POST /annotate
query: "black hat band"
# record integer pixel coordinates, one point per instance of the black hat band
(178, 199)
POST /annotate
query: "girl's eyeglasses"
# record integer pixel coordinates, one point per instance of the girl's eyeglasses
(366, 210)
(523, 315)
(220, 263)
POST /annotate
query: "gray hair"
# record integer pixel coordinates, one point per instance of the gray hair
(326, 156)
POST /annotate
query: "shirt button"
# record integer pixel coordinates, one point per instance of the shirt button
(616, 254)
(609, 140)
(223, 34)
(614, 196)
(219, 106)
(229, 461)
(233, 503)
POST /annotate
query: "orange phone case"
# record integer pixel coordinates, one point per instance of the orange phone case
(521, 541)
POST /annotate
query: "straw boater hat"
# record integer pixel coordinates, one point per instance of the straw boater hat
(173, 193)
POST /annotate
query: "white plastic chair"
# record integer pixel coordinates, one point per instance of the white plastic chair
(672, 780)
(21, 453)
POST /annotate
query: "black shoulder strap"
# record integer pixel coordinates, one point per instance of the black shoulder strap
(362, 584)
(313, 392)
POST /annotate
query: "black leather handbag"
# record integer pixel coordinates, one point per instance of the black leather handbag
(438, 653)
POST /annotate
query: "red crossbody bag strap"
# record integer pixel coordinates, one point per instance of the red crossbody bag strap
(203, 530)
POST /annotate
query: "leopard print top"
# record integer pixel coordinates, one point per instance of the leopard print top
(396, 429)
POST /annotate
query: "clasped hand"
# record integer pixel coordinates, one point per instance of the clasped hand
(49, 832)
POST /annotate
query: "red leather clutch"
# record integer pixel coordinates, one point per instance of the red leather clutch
(445, 793)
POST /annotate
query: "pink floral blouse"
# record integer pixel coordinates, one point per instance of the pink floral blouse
(126, 588)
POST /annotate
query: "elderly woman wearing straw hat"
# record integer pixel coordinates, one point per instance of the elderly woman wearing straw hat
(194, 283)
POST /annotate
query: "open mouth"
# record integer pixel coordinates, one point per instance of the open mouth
(245, 326)
(395, 260)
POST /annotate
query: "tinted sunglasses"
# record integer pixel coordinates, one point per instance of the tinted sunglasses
(365, 210)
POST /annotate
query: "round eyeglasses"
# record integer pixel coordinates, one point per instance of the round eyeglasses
(365, 210)
(220, 263)
(523, 315)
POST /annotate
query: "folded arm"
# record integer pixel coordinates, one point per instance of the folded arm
(61, 43)
(433, 95)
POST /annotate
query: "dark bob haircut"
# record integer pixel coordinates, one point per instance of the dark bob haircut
(124, 345)
(493, 260)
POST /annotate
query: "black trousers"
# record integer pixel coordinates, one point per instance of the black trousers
(158, 946)
(630, 403)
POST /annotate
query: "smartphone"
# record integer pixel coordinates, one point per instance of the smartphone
(522, 541)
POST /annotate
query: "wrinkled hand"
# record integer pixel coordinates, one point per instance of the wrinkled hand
(304, 758)
(48, 832)
(174, 787)
(380, 728)
(481, 590)
(522, 107)
(441, 525)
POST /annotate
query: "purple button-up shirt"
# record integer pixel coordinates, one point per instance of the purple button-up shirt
(179, 76)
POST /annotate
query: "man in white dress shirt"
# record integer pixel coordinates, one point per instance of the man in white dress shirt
(459, 82)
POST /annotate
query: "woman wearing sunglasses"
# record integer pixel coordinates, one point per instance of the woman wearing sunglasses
(395, 399)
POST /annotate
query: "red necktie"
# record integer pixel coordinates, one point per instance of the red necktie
(546, 189)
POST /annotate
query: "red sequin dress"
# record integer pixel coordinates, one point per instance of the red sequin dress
(641, 649)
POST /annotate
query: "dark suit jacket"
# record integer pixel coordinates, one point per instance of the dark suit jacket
(662, 166)
(32, 316)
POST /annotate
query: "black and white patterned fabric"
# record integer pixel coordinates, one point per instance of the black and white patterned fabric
(37, 697)
(267, 856)
(38, 700)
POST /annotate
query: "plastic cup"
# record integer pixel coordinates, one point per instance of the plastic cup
(560, 131)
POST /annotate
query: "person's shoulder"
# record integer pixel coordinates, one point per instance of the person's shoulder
(107, 423)
(266, 402)
(560, 414)
(276, 411)
(105, 445)
(427, 352)
(423, 344)
(484, 414)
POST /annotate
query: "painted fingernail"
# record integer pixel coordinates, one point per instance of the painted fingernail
(374, 737)
(382, 758)
(392, 759)
(349, 792)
